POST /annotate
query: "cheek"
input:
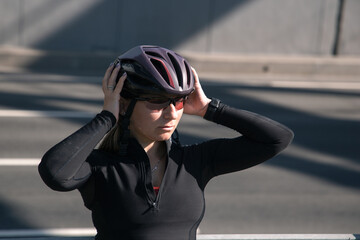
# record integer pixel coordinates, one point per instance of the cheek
(143, 123)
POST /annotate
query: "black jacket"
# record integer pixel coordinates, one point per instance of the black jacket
(119, 191)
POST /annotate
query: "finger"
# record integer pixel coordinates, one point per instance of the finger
(198, 89)
(120, 84)
(112, 79)
(107, 75)
(197, 84)
(195, 74)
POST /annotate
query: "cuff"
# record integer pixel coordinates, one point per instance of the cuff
(212, 111)
(109, 115)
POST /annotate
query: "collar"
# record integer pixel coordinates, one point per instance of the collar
(136, 151)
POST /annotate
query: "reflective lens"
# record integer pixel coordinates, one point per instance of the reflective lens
(157, 104)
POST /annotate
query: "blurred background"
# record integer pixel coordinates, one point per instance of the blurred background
(296, 61)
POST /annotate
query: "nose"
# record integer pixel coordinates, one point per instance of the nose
(170, 112)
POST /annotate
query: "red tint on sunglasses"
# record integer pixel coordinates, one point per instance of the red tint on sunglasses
(157, 104)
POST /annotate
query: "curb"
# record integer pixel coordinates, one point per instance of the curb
(276, 65)
(95, 63)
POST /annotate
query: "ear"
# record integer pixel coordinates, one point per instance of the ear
(123, 104)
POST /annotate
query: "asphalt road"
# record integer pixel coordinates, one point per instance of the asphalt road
(312, 187)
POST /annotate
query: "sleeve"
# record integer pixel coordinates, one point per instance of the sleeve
(260, 139)
(64, 166)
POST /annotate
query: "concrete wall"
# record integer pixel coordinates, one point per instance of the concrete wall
(265, 27)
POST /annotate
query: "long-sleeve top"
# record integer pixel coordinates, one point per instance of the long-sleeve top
(119, 191)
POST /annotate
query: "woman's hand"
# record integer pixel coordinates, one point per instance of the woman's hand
(197, 102)
(112, 90)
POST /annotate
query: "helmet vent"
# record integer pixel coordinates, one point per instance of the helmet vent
(153, 54)
(164, 72)
(188, 74)
(177, 69)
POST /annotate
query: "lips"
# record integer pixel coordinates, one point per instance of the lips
(167, 127)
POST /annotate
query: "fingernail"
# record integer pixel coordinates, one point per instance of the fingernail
(124, 74)
(118, 65)
(111, 64)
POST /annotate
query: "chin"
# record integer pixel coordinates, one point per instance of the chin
(164, 137)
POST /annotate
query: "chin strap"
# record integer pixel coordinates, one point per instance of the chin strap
(175, 137)
(123, 141)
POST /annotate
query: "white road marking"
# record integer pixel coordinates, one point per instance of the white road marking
(30, 113)
(60, 232)
(19, 161)
(310, 155)
(277, 236)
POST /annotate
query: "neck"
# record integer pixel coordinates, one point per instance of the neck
(155, 149)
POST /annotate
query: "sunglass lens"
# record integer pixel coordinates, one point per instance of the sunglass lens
(179, 104)
(158, 104)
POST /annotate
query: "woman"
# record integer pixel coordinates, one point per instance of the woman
(141, 183)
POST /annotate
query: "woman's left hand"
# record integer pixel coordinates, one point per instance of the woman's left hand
(197, 102)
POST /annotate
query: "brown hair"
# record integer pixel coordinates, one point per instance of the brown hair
(110, 143)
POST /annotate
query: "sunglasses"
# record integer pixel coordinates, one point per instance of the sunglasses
(157, 104)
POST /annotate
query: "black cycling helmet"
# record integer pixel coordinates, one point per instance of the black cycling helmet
(153, 70)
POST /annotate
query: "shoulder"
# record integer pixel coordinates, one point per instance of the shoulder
(189, 155)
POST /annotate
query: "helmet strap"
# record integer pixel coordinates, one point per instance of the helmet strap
(123, 142)
(175, 137)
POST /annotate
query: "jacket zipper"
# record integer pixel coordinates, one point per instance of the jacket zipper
(152, 203)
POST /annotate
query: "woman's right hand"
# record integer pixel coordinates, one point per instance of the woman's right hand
(112, 90)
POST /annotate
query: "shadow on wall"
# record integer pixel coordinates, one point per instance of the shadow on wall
(108, 28)
(119, 25)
